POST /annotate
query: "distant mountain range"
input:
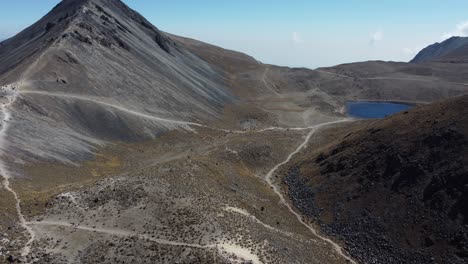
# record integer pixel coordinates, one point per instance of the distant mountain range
(454, 49)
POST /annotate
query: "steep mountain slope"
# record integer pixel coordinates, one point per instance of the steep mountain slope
(454, 49)
(395, 189)
(100, 56)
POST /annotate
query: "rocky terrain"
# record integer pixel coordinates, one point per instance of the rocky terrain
(394, 189)
(122, 143)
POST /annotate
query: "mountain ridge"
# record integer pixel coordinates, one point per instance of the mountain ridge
(444, 51)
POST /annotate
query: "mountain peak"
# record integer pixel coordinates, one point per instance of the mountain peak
(107, 23)
(80, 3)
(113, 17)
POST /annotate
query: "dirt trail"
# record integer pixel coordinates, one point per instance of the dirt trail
(334, 74)
(253, 218)
(120, 108)
(412, 79)
(116, 232)
(9, 95)
(221, 247)
(391, 78)
(276, 189)
(180, 123)
(267, 85)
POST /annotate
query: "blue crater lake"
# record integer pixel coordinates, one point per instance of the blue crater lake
(370, 110)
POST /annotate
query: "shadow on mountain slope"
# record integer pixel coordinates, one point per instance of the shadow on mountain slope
(396, 190)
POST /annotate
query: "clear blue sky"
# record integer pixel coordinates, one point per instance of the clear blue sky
(294, 32)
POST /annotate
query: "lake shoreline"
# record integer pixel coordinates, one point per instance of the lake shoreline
(375, 109)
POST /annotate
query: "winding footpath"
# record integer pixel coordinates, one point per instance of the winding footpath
(9, 95)
(276, 189)
(12, 95)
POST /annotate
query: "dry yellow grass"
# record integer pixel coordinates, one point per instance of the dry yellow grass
(45, 180)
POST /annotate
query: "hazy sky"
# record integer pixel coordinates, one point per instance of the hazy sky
(292, 33)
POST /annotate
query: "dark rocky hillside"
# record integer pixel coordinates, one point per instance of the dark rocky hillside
(396, 190)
